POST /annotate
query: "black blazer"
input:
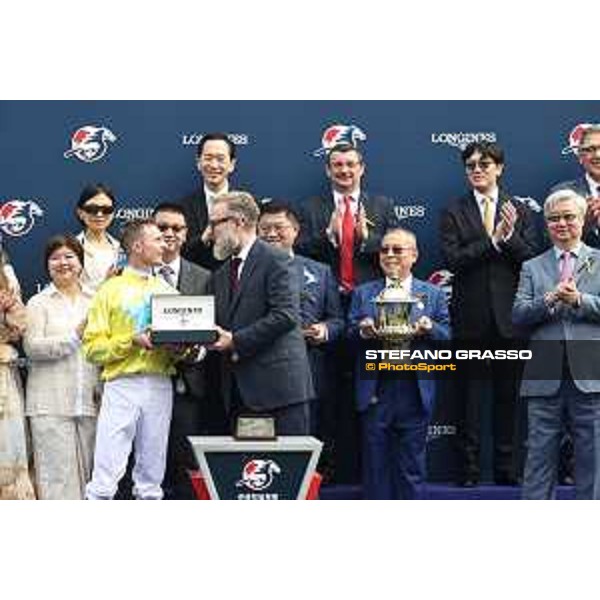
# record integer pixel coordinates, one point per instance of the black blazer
(269, 363)
(314, 215)
(485, 280)
(196, 216)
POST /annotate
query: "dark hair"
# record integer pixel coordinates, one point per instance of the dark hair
(168, 207)
(217, 136)
(277, 208)
(89, 191)
(344, 147)
(486, 149)
(65, 240)
(132, 232)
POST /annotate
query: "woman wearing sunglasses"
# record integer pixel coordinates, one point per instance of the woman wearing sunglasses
(95, 210)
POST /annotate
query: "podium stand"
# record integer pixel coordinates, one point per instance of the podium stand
(282, 469)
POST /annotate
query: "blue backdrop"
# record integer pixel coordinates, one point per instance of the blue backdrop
(407, 152)
(412, 152)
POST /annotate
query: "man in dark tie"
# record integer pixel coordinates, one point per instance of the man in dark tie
(320, 311)
(257, 298)
(485, 237)
(344, 229)
(558, 301)
(191, 394)
(588, 185)
(215, 161)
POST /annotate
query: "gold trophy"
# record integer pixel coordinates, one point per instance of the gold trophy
(393, 306)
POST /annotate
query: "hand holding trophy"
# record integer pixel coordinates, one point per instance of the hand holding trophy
(393, 306)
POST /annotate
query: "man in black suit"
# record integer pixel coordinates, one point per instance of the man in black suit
(348, 218)
(191, 392)
(215, 161)
(485, 238)
(588, 185)
(265, 366)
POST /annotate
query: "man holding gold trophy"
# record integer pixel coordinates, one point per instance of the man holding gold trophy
(395, 413)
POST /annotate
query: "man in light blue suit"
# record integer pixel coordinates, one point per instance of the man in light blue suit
(395, 413)
(558, 300)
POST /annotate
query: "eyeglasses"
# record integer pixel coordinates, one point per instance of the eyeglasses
(589, 149)
(396, 250)
(216, 222)
(95, 209)
(484, 165)
(277, 228)
(567, 218)
(175, 228)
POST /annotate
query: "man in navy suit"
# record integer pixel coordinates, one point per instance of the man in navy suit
(320, 311)
(588, 185)
(558, 300)
(257, 301)
(323, 221)
(215, 161)
(395, 412)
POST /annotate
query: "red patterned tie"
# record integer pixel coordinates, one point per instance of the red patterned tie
(347, 247)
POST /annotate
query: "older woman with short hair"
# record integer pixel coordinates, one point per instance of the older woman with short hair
(61, 387)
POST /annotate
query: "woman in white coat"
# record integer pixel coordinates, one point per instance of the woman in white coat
(61, 388)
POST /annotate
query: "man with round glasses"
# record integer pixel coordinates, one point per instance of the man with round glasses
(485, 237)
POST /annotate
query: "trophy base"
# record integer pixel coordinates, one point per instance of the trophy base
(396, 333)
(184, 337)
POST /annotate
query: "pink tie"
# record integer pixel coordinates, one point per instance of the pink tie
(566, 270)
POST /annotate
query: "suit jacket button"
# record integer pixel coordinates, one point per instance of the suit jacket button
(235, 357)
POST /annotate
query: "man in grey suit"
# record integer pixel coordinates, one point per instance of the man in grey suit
(558, 301)
(588, 185)
(265, 366)
(191, 393)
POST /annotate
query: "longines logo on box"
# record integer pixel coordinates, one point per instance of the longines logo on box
(193, 139)
(17, 217)
(410, 211)
(462, 139)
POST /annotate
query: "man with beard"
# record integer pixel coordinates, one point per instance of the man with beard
(265, 366)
